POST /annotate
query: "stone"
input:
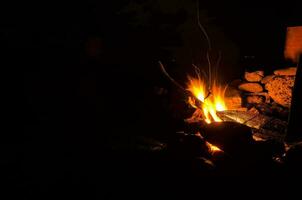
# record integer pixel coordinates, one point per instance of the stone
(266, 79)
(254, 76)
(280, 89)
(254, 99)
(250, 87)
(291, 71)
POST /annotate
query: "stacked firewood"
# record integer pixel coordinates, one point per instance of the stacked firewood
(261, 102)
(273, 88)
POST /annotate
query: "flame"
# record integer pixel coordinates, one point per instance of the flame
(213, 148)
(210, 103)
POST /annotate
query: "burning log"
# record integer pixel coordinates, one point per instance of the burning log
(265, 127)
(253, 120)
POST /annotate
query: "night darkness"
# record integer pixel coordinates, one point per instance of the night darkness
(90, 72)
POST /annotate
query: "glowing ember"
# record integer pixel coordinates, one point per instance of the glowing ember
(213, 148)
(210, 103)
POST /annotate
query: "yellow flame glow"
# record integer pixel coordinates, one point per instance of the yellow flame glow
(213, 148)
(210, 103)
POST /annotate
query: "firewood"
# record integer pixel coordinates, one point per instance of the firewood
(253, 120)
(250, 87)
(291, 71)
(233, 98)
(250, 119)
(254, 76)
(268, 78)
(280, 89)
(254, 99)
(263, 94)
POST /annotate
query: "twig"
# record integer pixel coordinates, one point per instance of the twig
(186, 92)
(209, 93)
(169, 77)
(197, 70)
(205, 74)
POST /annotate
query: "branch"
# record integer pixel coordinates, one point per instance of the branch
(169, 77)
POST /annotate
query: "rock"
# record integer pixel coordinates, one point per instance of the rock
(280, 89)
(254, 76)
(291, 71)
(254, 99)
(228, 136)
(266, 79)
(233, 138)
(189, 145)
(251, 87)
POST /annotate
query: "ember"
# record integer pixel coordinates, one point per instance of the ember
(213, 148)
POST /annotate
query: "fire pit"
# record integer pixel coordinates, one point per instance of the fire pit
(245, 121)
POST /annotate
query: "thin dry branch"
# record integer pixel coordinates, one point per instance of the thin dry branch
(169, 77)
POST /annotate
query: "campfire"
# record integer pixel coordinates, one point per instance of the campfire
(235, 120)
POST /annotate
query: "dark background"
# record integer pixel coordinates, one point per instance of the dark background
(89, 72)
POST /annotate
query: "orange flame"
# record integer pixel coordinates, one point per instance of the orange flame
(213, 148)
(210, 103)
